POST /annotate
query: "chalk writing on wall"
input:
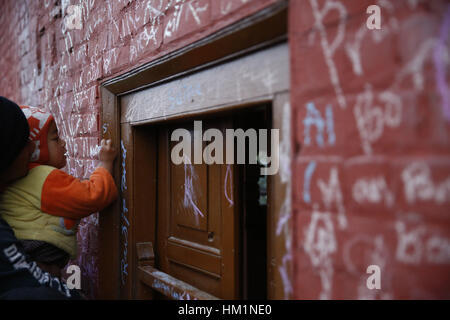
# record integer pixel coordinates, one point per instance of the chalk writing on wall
(373, 190)
(227, 6)
(417, 245)
(419, 185)
(377, 112)
(320, 245)
(332, 196)
(307, 181)
(314, 118)
(125, 224)
(329, 48)
(184, 11)
(353, 48)
(371, 119)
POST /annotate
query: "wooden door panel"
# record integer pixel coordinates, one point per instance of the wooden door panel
(201, 280)
(190, 194)
(193, 211)
(195, 215)
(194, 258)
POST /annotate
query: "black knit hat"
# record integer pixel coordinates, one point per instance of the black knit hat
(14, 132)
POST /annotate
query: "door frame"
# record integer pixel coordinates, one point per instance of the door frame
(262, 30)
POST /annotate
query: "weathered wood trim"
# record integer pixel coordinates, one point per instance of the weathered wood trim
(109, 218)
(170, 286)
(251, 78)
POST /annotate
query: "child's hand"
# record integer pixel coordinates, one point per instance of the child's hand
(107, 154)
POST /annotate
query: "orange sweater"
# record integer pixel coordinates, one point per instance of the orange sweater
(47, 204)
(77, 199)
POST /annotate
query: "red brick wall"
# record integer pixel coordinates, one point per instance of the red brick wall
(371, 141)
(371, 162)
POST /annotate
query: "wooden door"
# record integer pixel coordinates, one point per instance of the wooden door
(197, 233)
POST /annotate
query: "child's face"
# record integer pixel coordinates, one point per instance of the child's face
(56, 148)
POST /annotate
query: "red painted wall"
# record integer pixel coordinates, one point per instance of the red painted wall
(371, 160)
(371, 140)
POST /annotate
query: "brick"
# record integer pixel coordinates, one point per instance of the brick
(327, 250)
(66, 102)
(222, 8)
(146, 42)
(104, 40)
(85, 100)
(370, 187)
(127, 25)
(185, 18)
(423, 186)
(348, 67)
(83, 124)
(80, 55)
(119, 5)
(323, 127)
(93, 71)
(123, 58)
(320, 186)
(109, 60)
(84, 147)
(152, 12)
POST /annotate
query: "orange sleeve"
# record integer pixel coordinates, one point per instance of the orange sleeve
(68, 197)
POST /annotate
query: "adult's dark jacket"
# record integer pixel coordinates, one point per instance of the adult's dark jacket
(23, 279)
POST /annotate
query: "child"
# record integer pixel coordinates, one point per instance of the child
(44, 207)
